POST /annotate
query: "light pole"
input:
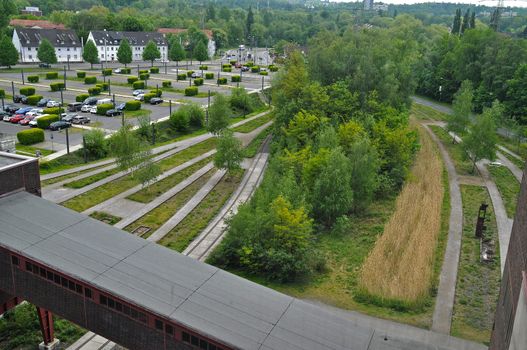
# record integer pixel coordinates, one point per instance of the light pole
(22, 72)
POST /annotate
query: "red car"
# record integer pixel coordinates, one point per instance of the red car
(26, 120)
(17, 118)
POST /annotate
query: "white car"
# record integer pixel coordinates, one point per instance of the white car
(138, 92)
(33, 123)
(52, 104)
(85, 108)
(93, 110)
(140, 97)
(6, 118)
(34, 112)
(118, 70)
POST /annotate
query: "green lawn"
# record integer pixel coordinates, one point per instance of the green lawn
(478, 283)
(253, 124)
(508, 186)
(105, 217)
(139, 113)
(67, 161)
(426, 113)
(91, 179)
(253, 147)
(30, 150)
(512, 145)
(455, 150)
(69, 176)
(519, 163)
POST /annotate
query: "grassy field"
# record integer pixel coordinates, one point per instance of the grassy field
(139, 113)
(181, 235)
(67, 161)
(105, 217)
(91, 179)
(30, 150)
(399, 269)
(478, 283)
(456, 152)
(253, 124)
(508, 186)
(426, 113)
(253, 147)
(69, 176)
(513, 146)
(157, 217)
(519, 163)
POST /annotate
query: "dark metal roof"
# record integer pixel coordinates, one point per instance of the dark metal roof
(31, 37)
(215, 303)
(134, 38)
(7, 160)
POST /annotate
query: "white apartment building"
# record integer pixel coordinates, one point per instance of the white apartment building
(107, 43)
(67, 45)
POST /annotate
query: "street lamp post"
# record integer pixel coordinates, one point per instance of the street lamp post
(22, 72)
(64, 77)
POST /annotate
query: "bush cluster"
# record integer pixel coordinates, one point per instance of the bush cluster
(189, 73)
(138, 85)
(198, 81)
(57, 86)
(249, 64)
(236, 78)
(154, 70)
(166, 83)
(126, 70)
(182, 76)
(90, 80)
(103, 86)
(222, 81)
(52, 75)
(102, 109)
(149, 96)
(203, 67)
(232, 62)
(144, 76)
(106, 72)
(30, 136)
(81, 97)
(241, 100)
(27, 91)
(191, 91)
(264, 73)
(187, 115)
(255, 69)
(53, 110)
(81, 74)
(273, 68)
(157, 92)
(33, 100)
(44, 122)
(94, 91)
(143, 71)
(227, 69)
(132, 105)
(209, 75)
(132, 80)
(33, 78)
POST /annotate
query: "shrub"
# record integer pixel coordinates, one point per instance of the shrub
(96, 143)
(154, 70)
(149, 96)
(90, 80)
(182, 76)
(94, 91)
(102, 109)
(241, 100)
(225, 65)
(30, 136)
(195, 113)
(227, 69)
(236, 78)
(81, 97)
(81, 74)
(132, 80)
(103, 86)
(107, 72)
(189, 73)
(232, 62)
(273, 68)
(203, 67)
(53, 110)
(52, 75)
(126, 70)
(44, 122)
(57, 86)
(255, 69)
(144, 76)
(249, 64)
(33, 78)
(27, 91)
(143, 71)
(157, 92)
(191, 91)
(209, 75)
(180, 120)
(198, 81)
(2, 93)
(132, 105)
(264, 72)
(222, 81)
(167, 83)
(138, 85)
(33, 100)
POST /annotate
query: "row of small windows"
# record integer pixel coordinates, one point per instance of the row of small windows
(122, 308)
(196, 341)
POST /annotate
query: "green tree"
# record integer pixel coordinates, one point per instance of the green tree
(516, 100)
(220, 38)
(151, 52)
(364, 169)
(8, 52)
(211, 12)
(7, 8)
(229, 152)
(473, 20)
(458, 121)
(124, 53)
(466, 21)
(219, 114)
(96, 143)
(176, 52)
(480, 142)
(46, 52)
(90, 53)
(200, 52)
(249, 22)
(456, 25)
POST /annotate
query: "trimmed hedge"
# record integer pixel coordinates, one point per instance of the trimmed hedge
(227, 69)
(132, 105)
(138, 85)
(236, 78)
(90, 80)
(148, 97)
(106, 72)
(53, 110)
(143, 71)
(154, 70)
(222, 81)
(182, 76)
(255, 69)
(126, 70)
(166, 83)
(232, 62)
(27, 91)
(203, 67)
(2, 93)
(33, 78)
(81, 74)
(33, 100)
(30, 136)
(226, 65)
(52, 75)
(144, 76)
(264, 73)
(102, 109)
(209, 75)
(191, 91)
(81, 97)
(189, 73)
(102, 86)
(44, 122)
(94, 91)
(273, 68)
(157, 92)
(249, 64)
(198, 81)
(57, 86)
(132, 80)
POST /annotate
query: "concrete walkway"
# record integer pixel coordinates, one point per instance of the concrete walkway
(506, 150)
(517, 172)
(187, 208)
(77, 169)
(442, 317)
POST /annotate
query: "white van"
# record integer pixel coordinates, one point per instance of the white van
(33, 123)
(104, 101)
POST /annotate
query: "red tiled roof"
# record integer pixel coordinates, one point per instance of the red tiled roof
(32, 23)
(207, 32)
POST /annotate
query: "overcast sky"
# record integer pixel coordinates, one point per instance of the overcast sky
(475, 2)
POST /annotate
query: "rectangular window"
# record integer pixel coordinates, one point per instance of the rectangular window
(42, 272)
(126, 310)
(133, 313)
(71, 285)
(56, 278)
(64, 282)
(186, 337)
(14, 260)
(169, 329)
(118, 306)
(68, 48)
(30, 57)
(87, 292)
(78, 288)
(159, 325)
(194, 340)
(103, 300)
(29, 267)
(111, 303)
(212, 347)
(50, 276)
(141, 317)
(203, 344)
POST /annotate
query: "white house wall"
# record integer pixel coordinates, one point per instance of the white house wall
(29, 54)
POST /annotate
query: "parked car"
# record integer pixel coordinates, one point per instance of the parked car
(67, 117)
(245, 69)
(61, 124)
(18, 98)
(34, 111)
(237, 65)
(43, 102)
(156, 100)
(4, 113)
(74, 107)
(10, 108)
(6, 118)
(33, 123)
(26, 120)
(52, 104)
(140, 97)
(113, 112)
(138, 92)
(23, 110)
(93, 110)
(117, 70)
(90, 101)
(80, 119)
(195, 75)
(16, 118)
(44, 65)
(121, 107)
(86, 108)
(104, 101)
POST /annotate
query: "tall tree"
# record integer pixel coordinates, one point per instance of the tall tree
(456, 25)
(220, 38)
(458, 121)
(151, 52)
(219, 114)
(211, 12)
(7, 8)
(201, 53)
(516, 100)
(176, 52)
(8, 52)
(466, 21)
(46, 52)
(124, 53)
(90, 53)
(249, 22)
(473, 20)
(229, 152)
(364, 169)
(480, 142)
